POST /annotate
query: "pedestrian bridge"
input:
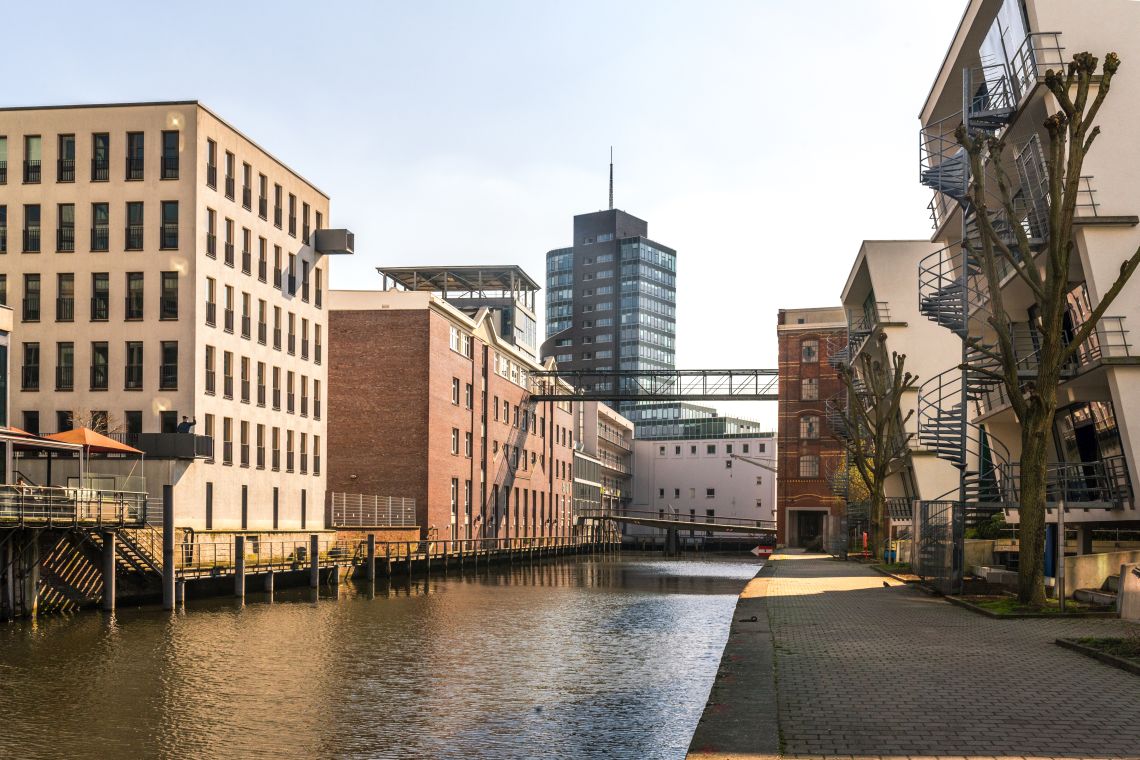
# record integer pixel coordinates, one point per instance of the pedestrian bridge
(672, 520)
(656, 385)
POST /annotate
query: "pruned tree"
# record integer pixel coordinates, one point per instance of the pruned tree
(876, 439)
(99, 421)
(1003, 244)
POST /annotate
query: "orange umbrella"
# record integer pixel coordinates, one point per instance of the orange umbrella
(93, 442)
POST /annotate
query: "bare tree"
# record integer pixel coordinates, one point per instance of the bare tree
(875, 437)
(1004, 244)
(99, 421)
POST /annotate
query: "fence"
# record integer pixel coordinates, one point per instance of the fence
(53, 505)
(353, 510)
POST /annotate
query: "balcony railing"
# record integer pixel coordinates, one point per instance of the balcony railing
(230, 188)
(168, 377)
(56, 506)
(229, 320)
(100, 170)
(170, 167)
(65, 239)
(229, 254)
(211, 245)
(261, 395)
(100, 238)
(65, 378)
(99, 378)
(133, 377)
(31, 311)
(168, 307)
(32, 240)
(65, 309)
(212, 176)
(263, 207)
(1039, 52)
(246, 326)
(31, 172)
(30, 377)
(317, 353)
(262, 268)
(276, 398)
(227, 452)
(211, 382)
(262, 332)
(169, 236)
(65, 170)
(1078, 484)
(277, 338)
(100, 308)
(228, 387)
(134, 237)
(247, 198)
(169, 445)
(134, 169)
(245, 389)
(134, 307)
(211, 313)
(246, 262)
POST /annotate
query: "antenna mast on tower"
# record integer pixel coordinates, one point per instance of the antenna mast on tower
(611, 178)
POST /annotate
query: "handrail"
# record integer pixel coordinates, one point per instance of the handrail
(59, 505)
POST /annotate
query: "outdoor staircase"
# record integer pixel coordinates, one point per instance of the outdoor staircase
(138, 551)
(69, 578)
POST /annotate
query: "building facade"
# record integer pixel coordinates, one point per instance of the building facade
(162, 266)
(728, 478)
(611, 299)
(5, 367)
(809, 511)
(608, 437)
(1093, 461)
(429, 402)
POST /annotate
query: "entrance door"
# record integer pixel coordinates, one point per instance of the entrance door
(809, 529)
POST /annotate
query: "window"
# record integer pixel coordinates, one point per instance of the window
(32, 228)
(316, 399)
(65, 228)
(305, 281)
(65, 297)
(261, 383)
(100, 226)
(292, 215)
(227, 440)
(228, 309)
(262, 321)
(455, 391)
(276, 387)
(100, 157)
(455, 441)
(246, 383)
(262, 196)
(290, 392)
(211, 374)
(229, 175)
(168, 296)
(809, 389)
(168, 238)
(460, 342)
(168, 369)
(229, 249)
(33, 146)
(246, 315)
(710, 493)
(65, 367)
(134, 305)
(170, 154)
(809, 351)
(467, 445)
(30, 371)
(246, 186)
(262, 259)
(135, 155)
(134, 231)
(211, 233)
(228, 374)
(316, 343)
(809, 427)
(469, 397)
(211, 164)
(809, 466)
(276, 460)
(3, 160)
(3, 228)
(305, 222)
(260, 461)
(133, 376)
(277, 267)
(291, 346)
(292, 273)
(100, 296)
(211, 301)
(710, 448)
(277, 191)
(243, 453)
(65, 162)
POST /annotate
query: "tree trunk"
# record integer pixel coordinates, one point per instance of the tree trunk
(877, 508)
(1031, 511)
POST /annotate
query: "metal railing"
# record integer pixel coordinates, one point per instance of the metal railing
(100, 238)
(100, 170)
(170, 167)
(1080, 484)
(360, 510)
(65, 170)
(134, 237)
(58, 506)
(1039, 52)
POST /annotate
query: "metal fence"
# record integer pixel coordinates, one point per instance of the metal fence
(53, 505)
(354, 510)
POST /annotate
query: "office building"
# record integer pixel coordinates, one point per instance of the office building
(163, 265)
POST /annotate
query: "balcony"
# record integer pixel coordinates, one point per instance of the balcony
(65, 378)
(99, 378)
(31, 172)
(100, 307)
(134, 237)
(65, 240)
(100, 170)
(169, 445)
(65, 170)
(32, 240)
(134, 169)
(1088, 485)
(100, 238)
(65, 309)
(1039, 52)
(170, 167)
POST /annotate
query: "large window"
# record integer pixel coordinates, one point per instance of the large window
(809, 427)
(135, 154)
(100, 157)
(809, 351)
(809, 466)
(134, 230)
(170, 154)
(100, 226)
(169, 234)
(809, 389)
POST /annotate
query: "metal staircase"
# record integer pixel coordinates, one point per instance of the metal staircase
(137, 550)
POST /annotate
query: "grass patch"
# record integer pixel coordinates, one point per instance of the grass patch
(1008, 605)
(897, 568)
(1127, 648)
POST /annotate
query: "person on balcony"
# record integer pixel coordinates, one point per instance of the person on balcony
(187, 425)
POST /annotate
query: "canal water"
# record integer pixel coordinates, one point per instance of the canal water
(569, 658)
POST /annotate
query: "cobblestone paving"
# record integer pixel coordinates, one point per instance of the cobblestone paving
(867, 671)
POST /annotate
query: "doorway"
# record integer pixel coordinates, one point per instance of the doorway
(809, 530)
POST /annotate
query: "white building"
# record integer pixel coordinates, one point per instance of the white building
(703, 478)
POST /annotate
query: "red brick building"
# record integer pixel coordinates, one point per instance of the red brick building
(808, 512)
(429, 402)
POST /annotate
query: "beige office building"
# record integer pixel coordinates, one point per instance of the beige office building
(161, 264)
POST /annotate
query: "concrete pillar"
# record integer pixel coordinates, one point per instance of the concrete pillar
(334, 574)
(1084, 539)
(32, 578)
(370, 568)
(269, 584)
(168, 547)
(109, 571)
(7, 570)
(314, 561)
(239, 567)
(180, 593)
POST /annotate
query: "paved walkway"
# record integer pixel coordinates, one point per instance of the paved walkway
(868, 671)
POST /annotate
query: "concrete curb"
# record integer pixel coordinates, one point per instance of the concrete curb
(1096, 654)
(740, 717)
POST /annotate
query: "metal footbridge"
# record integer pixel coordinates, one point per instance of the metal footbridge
(655, 385)
(673, 520)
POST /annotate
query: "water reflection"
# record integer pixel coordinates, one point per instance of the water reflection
(571, 658)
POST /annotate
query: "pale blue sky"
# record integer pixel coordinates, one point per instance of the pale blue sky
(762, 140)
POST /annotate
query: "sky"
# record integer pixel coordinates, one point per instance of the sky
(762, 140)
